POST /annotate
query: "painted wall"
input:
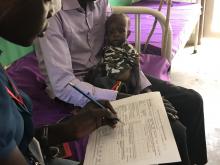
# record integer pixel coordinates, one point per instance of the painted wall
(135, 0)
(7, 48)
(210, 16)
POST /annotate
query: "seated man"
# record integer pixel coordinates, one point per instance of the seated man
(70, 49)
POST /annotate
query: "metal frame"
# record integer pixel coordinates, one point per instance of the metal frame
(164, 21)
(166, 28)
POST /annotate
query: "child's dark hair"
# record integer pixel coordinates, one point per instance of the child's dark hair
(115, 17)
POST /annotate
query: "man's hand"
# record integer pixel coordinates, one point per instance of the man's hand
(171, 112)
(15, 157)
(102, 116)
(92, 117)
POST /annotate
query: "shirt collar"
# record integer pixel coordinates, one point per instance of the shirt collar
(74, 4)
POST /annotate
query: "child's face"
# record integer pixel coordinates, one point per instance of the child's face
(117, 32)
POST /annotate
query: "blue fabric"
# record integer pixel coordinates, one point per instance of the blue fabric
(12, 120)
(28, 124)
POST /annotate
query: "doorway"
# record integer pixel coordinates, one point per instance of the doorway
(212, 21)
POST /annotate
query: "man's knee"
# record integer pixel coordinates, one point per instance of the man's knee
(194, 100)
(195, 96)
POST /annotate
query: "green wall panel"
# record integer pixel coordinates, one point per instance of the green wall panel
(11, 52)
(120, 2)
(135, 1)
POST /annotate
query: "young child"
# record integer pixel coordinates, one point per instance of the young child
(121, 60)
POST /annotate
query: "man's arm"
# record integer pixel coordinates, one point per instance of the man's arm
(144, 82)
(15, 157)
(78, 126)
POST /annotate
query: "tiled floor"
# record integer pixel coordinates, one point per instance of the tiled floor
(201, 72)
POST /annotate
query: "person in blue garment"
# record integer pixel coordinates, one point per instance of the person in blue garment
(71, 48)
(21, 21)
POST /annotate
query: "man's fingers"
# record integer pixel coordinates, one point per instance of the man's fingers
(112, 123)
(104, 117)
(109, 106)
(169, 107)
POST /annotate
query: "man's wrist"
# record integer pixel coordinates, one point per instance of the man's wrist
(146, 90)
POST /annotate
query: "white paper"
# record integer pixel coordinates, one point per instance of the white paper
(145, 138)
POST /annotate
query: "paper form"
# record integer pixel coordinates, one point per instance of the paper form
(145, 138)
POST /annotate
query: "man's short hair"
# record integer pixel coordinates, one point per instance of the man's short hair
(6, 6)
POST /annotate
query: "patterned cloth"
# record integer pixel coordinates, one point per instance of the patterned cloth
(119, 59)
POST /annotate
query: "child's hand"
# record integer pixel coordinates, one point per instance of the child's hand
(124, 76)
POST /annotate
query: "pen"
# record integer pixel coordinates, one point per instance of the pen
(91, 99)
